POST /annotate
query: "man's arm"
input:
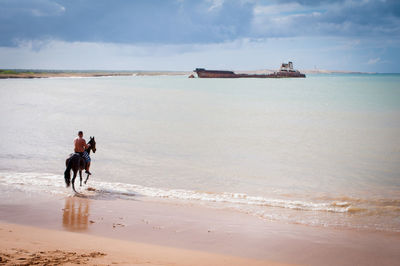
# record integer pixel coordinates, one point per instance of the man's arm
(86, 145)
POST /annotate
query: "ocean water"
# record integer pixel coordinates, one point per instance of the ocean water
(320, 151)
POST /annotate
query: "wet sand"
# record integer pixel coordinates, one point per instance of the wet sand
(22, 245)
(139, 231)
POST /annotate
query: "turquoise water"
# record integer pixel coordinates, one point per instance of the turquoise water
(324, 150)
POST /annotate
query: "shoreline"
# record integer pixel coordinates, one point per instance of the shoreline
(33, 75)
(85, 74)
(198, 229)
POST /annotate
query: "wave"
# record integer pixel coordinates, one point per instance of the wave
(55, 184)
(342, 211)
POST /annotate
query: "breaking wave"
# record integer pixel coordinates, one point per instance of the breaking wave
(54, 184)
(312, 211)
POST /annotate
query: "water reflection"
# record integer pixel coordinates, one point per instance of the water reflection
(76, 214)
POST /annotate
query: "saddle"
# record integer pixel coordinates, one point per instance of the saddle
(80, 154)
(82, 159)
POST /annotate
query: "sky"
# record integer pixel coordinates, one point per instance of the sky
(350, 35)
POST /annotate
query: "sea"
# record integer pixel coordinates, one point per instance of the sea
(321, 151)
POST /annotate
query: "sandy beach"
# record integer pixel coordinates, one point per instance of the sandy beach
(94, 230)
(23, 245)
(78, 234)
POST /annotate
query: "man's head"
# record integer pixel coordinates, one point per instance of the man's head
(80, 134)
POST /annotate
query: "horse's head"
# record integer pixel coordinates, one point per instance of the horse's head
(92, 143)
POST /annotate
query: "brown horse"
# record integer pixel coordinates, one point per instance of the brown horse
(77, 163)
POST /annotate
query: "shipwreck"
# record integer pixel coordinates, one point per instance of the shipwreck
(285, 71)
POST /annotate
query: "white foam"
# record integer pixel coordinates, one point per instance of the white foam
(323, 212)
(55, 184)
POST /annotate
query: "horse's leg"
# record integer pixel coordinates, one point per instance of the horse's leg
(73, 181)
(80, 176)
(86, 179)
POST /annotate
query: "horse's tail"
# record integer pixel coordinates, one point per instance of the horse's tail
(67, 173)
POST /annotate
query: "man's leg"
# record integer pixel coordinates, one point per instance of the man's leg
(87, 158)
(87, 168)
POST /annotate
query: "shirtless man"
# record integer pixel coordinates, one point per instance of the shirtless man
(80, 147)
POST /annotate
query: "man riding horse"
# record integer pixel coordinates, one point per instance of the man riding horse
(80, 160)
(81, 147)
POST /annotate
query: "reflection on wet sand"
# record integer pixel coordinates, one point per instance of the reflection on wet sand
(76, 214)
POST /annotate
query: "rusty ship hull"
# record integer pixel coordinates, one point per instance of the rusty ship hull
(286, 71)
(203, 73)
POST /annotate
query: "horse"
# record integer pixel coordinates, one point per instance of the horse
(77, 163)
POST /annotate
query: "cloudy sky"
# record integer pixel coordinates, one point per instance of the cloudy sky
(357, 35)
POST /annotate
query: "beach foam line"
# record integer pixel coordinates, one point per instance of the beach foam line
(341, 211)
(54, 184)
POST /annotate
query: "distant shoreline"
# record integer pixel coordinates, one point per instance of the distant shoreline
(55, 75)
(29, 74)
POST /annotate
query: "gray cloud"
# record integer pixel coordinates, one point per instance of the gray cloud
(39, 8)
(330, 18)
(143, 21)
(193, 21)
